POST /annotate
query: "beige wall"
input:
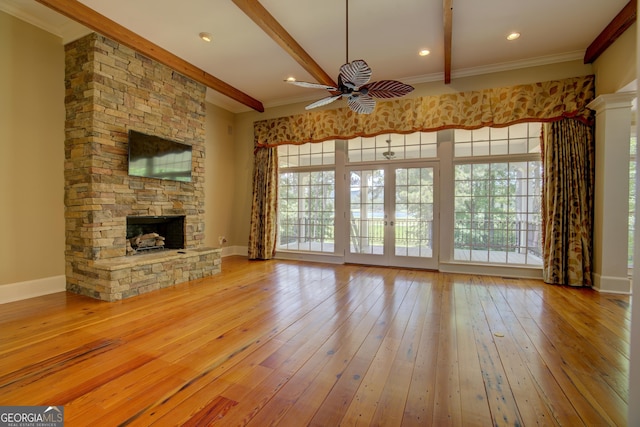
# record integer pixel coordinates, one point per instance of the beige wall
(244, 123)
(616, 67)
(31, 152)
(219, 176)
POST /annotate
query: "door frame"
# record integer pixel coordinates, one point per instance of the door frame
(388, 257)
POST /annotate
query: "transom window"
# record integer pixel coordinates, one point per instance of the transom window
(523, 138)
(418, 145)
(316, 154)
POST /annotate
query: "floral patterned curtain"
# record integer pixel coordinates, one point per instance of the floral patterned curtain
(497, 107)
(568, 158)
(264, 215)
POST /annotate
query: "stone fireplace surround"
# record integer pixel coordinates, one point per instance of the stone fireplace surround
(111, 89)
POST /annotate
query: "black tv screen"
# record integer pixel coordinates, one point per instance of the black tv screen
(154, 157)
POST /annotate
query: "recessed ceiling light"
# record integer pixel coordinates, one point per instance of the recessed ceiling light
(291, 79)
(424, 52)
(513, 36)
(206, 37)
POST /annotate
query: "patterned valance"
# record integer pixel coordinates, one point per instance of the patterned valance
(543, 102)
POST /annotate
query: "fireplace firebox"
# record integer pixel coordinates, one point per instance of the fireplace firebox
(170, 230)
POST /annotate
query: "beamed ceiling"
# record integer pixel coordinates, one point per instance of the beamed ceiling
(257, 45)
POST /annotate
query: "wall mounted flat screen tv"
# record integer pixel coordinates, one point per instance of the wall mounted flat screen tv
(154, 157)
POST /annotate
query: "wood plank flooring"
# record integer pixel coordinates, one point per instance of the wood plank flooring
(293, 344)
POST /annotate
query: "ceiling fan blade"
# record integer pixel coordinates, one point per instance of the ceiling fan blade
(312, 85)
(362, 104)
(323, 101)
(356, 72)
(387, 89)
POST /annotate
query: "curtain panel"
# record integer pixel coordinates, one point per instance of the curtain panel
(568, 162)
(497, 107)
(264, 212)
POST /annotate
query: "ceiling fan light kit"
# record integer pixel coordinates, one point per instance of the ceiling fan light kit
(353, 84)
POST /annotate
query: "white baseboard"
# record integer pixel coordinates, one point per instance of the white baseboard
(491, 270)
(611, 285)
(48, 285)
(32, 288)
(311, 257)
(235, 250)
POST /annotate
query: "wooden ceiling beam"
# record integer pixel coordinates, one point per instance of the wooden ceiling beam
(90, 18)
(447, 23)
(616, 27)
(261, 16)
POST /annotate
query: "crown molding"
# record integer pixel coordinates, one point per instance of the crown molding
(499, 67)
(64, 28)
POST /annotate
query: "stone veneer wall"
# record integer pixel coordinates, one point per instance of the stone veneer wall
(111, 89)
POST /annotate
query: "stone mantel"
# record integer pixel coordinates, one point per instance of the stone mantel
(157, 257)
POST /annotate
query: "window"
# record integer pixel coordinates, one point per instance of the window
(497, 201)
(306, 197)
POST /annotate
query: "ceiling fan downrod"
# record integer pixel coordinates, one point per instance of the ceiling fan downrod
(347, 32)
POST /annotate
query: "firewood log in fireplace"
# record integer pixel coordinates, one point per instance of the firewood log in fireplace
(148, 240)
(130, 250)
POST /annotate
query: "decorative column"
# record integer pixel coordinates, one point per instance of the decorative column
(611, 204)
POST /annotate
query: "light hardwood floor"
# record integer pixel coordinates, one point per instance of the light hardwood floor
(293, 344)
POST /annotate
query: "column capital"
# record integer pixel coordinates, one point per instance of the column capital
(612, 100)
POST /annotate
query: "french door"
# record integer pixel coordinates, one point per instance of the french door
(392, 215)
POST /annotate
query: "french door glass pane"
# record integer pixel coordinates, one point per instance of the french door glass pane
(414, 212)
(366, 230)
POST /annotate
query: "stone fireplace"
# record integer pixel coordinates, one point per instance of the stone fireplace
(111, 89)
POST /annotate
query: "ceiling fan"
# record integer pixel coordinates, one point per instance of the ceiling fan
(353, 84)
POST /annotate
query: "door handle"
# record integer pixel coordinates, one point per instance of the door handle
(392, 223)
